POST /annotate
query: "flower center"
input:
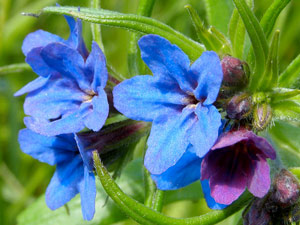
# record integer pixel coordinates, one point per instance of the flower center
(89, 95)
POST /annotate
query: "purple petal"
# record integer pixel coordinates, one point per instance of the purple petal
(231, 138)
(259, 182)
(32, 86)
(183, 173)
(263, 145)
(37, 39)
(211, 203)
(146, 98)
(168, 140)
(87, 189)
(205, 131)
(67, 61)
(166, 61)
(51, 150)
(96, 119)
(207, 70)
(64, 183)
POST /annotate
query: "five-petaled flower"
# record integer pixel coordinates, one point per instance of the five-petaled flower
(69, 93)
(72, 175)
(236, 161)
(178, 100)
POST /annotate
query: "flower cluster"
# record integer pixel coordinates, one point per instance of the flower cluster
(188, 140)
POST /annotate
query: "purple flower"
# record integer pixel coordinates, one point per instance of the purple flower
(236, 161)
(69, 93)
(177, 99)
(72, 175)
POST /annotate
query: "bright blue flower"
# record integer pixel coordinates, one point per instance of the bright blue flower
(72, 175)
(177, 99)
(69, 93)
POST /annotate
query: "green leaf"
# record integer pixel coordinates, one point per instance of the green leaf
(271, 15)
(132, 22)
(96, 29)
(286, 140)
(269, 78)
(15, 68)
(286, 110)
(281, 94)
(258, 40)
(219, 12)
(135, 63)
(288, 77)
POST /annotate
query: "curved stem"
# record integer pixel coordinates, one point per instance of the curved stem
(158, 200)
(149, 188)
(96, 28)
(138, 211)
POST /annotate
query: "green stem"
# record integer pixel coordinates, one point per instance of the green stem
(14, 68)
(138, 211)
(149, 188)
(96, 28)
(135, 63)
(157, 204)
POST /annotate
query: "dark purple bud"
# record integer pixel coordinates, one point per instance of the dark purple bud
(257, 214)
(285, 190)
(239, 107)
(234, 73)
(262, 116)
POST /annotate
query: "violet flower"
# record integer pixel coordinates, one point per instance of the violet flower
(236, 161)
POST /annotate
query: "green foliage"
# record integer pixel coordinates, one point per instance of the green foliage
(289, 77)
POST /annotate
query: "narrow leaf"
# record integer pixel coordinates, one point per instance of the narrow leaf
(14, 68)
(135, 23)
(257, 38)
(269, 78)
(287, 110)
(291, 74)
(281, 94)
(219, 12)
(96, 29)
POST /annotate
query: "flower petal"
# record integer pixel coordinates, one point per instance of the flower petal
(87, 189)
(259, 182)
(211, 203)
(166, 60)
(168, 140)
(205, 131)
(64, 183)
(70, 123)
(32, 86)
(86, 154)
(265, 147)
(207, 70)
(145, 98)
(96, 119)
(51, 150)
(67, 61)
(230, 138)
(183, 173)
(39, 38)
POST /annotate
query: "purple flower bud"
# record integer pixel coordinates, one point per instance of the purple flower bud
(262, 116)
(286, 190)
(257, 214)
(239, 107)
(234, 74)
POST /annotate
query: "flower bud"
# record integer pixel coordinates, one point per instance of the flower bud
(257, 214)
(262, 116)
(239, 107)
(286, 189)
(234, 74)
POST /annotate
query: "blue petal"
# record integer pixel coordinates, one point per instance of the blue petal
(211, 203)
(146, 97)
(166, 60)
(96, 119)
(87, 189)
(208, 72)
(38, 65)
(32, 86)
(64, 183)
(86, 154)
(55, 99)
(69, 123)
(96, 66)
(183, 173)
(39, 38)
(205, 131)
(67, 61)
(168, 140)
(51, 150)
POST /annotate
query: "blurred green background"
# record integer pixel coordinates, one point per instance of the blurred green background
(23, 179)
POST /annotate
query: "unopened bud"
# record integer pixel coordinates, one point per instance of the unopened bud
(239, 107)
(286, 189)
(257, 214)
(262, 116)
(234, 73)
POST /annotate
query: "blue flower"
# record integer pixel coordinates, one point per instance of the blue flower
(72, 175)
(69, 93)
(178, 100)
